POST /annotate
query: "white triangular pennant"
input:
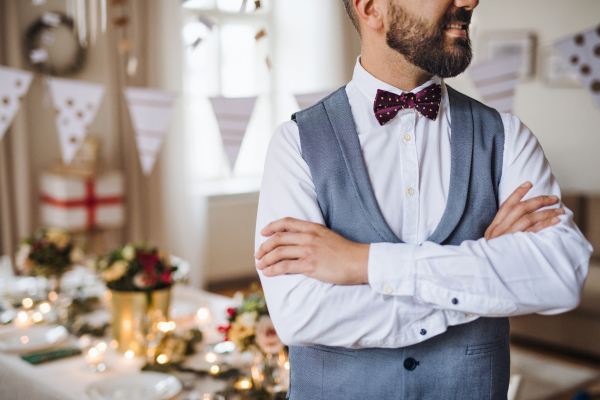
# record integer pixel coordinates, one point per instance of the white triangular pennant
(76, 104)
(233, 116)
(309, 99)
(496, 81)
(582, 52)
(14, 85)
(150, 112)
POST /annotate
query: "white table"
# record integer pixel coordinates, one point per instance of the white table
(67, 379)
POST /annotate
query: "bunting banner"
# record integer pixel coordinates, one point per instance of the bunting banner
(150, 111)
(582, 52)
(496, 81)
(233, 116)
(76, 104)
(14, 85)
(310, 99)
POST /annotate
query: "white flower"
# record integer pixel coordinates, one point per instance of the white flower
(128, 252)
(115, 271)
(141, 280)
(59, 237)
(24, 264)
(266, 336)
(248, 319)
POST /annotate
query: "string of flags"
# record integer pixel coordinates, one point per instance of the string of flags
(14, 85)
(496, 81)
(150, 111)
(582, 52)
(76, 104)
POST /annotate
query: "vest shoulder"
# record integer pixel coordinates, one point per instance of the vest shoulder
(318, 105)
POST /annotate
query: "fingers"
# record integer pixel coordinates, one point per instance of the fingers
(283, 268)
(280, 239)
(290, 225)
(532, 219)
(514, 199)
(544, 224)
(517, 211)
(279, 254)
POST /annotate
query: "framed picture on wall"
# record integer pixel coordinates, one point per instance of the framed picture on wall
(507, 43)
(555, 70)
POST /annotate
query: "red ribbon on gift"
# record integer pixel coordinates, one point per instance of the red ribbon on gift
(90, 202)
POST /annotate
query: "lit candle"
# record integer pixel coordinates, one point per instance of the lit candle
(95, 358)
(37, 317)
(45, 308)
(23, 320)
(27, 303)
(203, 318)
(243, 384)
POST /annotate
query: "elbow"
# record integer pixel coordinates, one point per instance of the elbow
(288, 331)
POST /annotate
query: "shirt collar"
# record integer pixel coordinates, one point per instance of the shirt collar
(369, 85)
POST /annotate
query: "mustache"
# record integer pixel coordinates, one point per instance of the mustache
(458, 15)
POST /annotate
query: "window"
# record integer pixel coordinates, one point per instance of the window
(226, 61)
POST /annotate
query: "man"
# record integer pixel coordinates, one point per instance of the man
(388, 265)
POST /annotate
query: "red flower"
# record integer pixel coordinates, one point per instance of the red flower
(166, 277)
(231, 312)
(148, 261)
(224, 329)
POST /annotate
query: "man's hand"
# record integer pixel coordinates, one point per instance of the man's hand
(300, 247)
(515, 215)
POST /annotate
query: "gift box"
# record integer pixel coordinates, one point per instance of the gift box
(82, 203)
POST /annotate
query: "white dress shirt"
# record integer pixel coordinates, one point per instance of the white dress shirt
(417, 289)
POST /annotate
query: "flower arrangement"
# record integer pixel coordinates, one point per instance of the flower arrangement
(250, 326)
(136, 268)
(49, 252)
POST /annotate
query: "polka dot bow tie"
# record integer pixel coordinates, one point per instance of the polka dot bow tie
(427, 102)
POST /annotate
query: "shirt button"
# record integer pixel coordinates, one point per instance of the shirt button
(410, 191)
(469, 315)
(455, 301)
(407, 137)
(388, 290)
(423, 332)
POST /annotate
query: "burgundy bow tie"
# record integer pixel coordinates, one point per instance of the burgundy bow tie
(427, 102)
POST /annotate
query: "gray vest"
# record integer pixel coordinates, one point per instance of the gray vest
(469, 361)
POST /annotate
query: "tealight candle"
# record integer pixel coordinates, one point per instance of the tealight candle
(203, 318)
(95, 359)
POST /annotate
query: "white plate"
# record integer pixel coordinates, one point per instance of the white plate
(143, 385)
(33, 338)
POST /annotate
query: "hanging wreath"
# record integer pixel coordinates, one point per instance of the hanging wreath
(52, 47)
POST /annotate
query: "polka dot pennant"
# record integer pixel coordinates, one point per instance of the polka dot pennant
(427, 102)
(14, 84)
(582, 52)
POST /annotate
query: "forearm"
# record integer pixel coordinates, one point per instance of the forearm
(514, 274)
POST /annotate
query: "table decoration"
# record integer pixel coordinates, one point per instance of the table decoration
(251, 329)
(49, 253)
(139, 278)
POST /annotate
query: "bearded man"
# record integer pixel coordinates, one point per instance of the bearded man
(401, 222)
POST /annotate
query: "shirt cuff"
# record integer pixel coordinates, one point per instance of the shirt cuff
(391, 268)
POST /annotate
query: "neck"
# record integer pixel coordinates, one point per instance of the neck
(391, 67)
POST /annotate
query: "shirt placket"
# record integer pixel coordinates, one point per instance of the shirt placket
(410, 178)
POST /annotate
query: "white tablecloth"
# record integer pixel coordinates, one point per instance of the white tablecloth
(67, 379)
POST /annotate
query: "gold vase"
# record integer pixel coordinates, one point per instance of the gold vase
(134, 313)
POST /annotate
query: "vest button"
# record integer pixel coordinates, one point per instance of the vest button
(423, 332)
(455, 301)
(410, 364)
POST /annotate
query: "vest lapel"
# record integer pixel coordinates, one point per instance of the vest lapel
(340, 116)
(461, 145)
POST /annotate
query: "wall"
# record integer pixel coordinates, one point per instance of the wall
(565, 120)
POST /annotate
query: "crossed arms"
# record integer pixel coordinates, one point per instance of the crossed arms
(324, 289)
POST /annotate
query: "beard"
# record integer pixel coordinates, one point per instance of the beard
(430, 48)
